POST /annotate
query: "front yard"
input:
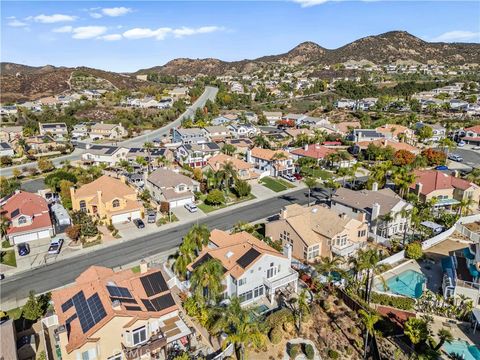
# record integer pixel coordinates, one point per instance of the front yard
(276, 185)
(316, 173)
(206, 208)
(8, 258)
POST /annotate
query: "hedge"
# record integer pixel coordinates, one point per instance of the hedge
(402, 303)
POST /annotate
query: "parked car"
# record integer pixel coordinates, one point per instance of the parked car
(441, 167)
(139, 223)
(23, 249)
(476, 148)
(298, 176)
(191, 207)
(461, 143)
(55, 246)
(455, 157)
(289, 177)
(152, 217)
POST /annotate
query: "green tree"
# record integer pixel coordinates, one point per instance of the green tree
(215, 197)
(242, 188)
(444, 335)
(4, 225)
(228, 149)
(328, 266)
(8, 186)
(32, 310)
(368, 320)
(414, 251)
(403, 177)
(206, 280)
(45, 165)
(424, 133)
(65, 186)
(416, 330)
(200, 235)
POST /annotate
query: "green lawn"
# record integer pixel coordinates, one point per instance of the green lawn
(209, 208)
(276, 185)
(136, 269)
(15, 314)
(316, 173)
(6, 244)
(8, 258)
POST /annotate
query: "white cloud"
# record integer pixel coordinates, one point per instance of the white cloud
(63, 29)
(143, 33)
(458, 36)
(96, 15)
(116, 11)
(111, 37)
(16, 23)
(186, 31)
(50, 19)
(88, 32)
(308, 3)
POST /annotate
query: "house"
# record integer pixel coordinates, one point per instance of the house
(11, 134)
(244, 170)
(196, 155)
(42, 143)
(439, 132)
(383, 209)
(178, 93)
(56, 130)
(241, 145)
(359, 135)
(220, 120)
(345, 104)
(117, 315)
(293, 118)
(252, 269)
(346, 127)
(28, 216)
(80, 130)
(189, 136)
(150, 155)
(397, 133)
(216, 133)
(273, 116)
(312, 121)
(472, 135)
(107, 131)
(107, 199)
(383, 143)
(320, 153)
(169, 186)
(6, 149)
(239, 131)
(447, 191)
(104, 154)
(317, 231)
(8, 340)
(274, 163)
(8, 110)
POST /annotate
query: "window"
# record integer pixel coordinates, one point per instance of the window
(242, 282)
(139, 335)
(116, 203)
(83, 206)
(271, 272)
(362, 233)
(90, 354)
(22, 220)
(181, 187)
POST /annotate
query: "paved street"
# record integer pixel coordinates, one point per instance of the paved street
(470, 157)
(209, 93)
(16, 287)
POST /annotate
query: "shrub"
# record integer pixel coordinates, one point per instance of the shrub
(279, 318)
(414, 251)
(309, 352)
(276, 335)
(215, 197)
(332, 354)
(294, 350)
(401, 303)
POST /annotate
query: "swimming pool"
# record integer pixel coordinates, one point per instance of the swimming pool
(407, 283)
(469, 352)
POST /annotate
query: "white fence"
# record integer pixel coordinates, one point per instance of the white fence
(225, 353)
(427, 244)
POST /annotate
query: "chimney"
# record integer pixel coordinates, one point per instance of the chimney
(456, 173)
(249, 156)
(99, 195)
(375, 211)
(287, 251)
(143, 266)
(375, 186)
(418, 188)
(116, 305)
(123, 179)
(362, 217)
(283, 213)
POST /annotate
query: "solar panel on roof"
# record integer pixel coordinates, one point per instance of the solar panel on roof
(162, 302)
(14, 213)
(248, 258)
(154, 283)
(71, 318)
(89, 311)
(117, 291)
(148, 305)
(123, 300)
(67, 305)
(133, 308)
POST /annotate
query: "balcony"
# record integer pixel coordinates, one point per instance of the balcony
(282, 280)
(151, 346)
(346, 250)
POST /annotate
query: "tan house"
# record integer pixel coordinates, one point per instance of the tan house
(398, 133)
(172, 187)
(448, 191)
(118, 315)
(244, 170)
(107, 131)
(271, 162)
(11, 134)
(318, 231)
(108, 199)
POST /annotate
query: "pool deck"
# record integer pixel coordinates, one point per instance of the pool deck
(460, 330)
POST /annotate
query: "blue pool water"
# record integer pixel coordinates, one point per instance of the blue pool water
(469, 352)
(408, 283)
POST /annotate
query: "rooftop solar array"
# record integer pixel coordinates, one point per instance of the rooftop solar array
(148, 305)
(89, 311)
(248, 258)
(67, 305)
(117, 291)
(133, 308)
(159, 303)
(154, 284)
(123, 300)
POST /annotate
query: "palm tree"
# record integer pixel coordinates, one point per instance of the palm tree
(447, 144)
(199, 235)
(227, 175)
(474, 176)
(331, 185)
(4, 225)
(261, 141)
(445, 336)
(206, 280)
(329, 265)
(228, 149)
(310, 182)
(416, 330)
(405, 213)
(369, 320)
(403, 177)
(465, 206)
(211, 179)
(148, 146)
(301, 308)
(369, 261)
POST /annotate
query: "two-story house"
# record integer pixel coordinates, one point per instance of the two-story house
(196, 155)
(472, 135)
(58, 131)
(28, 216)
(189, 136)
(108, 199)
(359, 135)
(320, 153)
(273, 116)
(252, 269)
(244, 170)
(107, 131)
(216, 133)
(118, 315)
(242, 130)
(438, 131)
(104, 154)
(317, 231)
(171, 187)
(275, 163)
(80, 130)
(385, 211)
(447, 190)
(398, 133)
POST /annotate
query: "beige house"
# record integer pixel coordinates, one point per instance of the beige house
(108, 199)
(107, 131)
(169, 186)
(118, 315)
(245, 171)
(318, 231)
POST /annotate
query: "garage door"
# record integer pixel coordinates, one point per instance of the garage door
(23, 238)
(43, 234)
(120, 218)
(181, 202)
(136, 215)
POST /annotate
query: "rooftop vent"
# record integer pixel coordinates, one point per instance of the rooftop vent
(229, 254)
(314, 210)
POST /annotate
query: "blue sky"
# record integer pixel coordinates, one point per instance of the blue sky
(129, 35)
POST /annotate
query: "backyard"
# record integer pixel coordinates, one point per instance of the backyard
(276, 185)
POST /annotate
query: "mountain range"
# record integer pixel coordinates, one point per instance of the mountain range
(22, 82)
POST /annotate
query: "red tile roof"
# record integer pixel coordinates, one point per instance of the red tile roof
(31, 205)
(314, 151)
(436, 180)
(475, 129)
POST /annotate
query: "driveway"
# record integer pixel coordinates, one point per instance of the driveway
(183, 214)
